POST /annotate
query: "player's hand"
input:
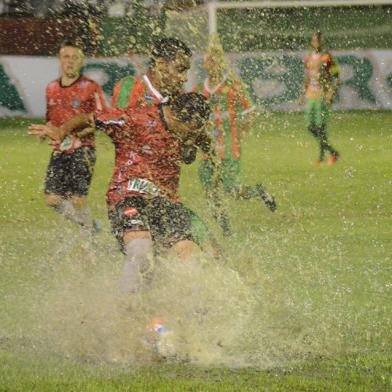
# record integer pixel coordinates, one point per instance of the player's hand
(329, 98)
(43, 131)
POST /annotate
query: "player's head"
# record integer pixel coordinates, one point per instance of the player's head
(316, 41)
(187, 114)
(71, 59)
(214, 58)
(171, 60)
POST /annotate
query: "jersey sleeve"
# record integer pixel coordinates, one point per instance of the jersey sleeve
(110, 120)
(47, 98)
(116, 123)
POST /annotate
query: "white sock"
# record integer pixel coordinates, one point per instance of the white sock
(81, 216)
(138, 254)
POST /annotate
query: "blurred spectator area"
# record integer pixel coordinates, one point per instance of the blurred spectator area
(102, 27)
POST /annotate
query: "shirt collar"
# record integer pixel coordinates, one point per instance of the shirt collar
(217, 87)
(154, 91)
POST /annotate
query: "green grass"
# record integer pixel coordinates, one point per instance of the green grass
(315, 311)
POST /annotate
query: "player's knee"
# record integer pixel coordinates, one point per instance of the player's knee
(53, 201)
(184, 249)
(78, 202)
(139, 253)
(139, 248)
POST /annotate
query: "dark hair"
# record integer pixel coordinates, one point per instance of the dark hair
(72, 44)
(168, 48)
(192, 107)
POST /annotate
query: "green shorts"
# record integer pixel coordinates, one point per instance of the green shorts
(317, 112)
(229, 174)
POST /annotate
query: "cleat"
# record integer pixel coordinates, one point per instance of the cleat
(332, 159)
(160, 340)
(268, 200)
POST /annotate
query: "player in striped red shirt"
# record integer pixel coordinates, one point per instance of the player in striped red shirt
(72, 162)
(232, 114)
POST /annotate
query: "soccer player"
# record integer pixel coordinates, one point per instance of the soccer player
(321, 85)
(143, 201)
(72, 161)
(232, 112)
(164, 79)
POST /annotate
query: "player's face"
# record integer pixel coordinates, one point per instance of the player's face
(315, 43)
(71, 61)
(173, 74)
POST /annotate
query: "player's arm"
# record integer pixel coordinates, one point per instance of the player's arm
(248, 114)
(301, 99)
(190, 146)
(57, 134)
(334, 82)
(99, 104)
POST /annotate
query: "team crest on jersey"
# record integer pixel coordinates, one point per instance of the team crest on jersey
(151, 123)
(52, 102)
(75, 103)
(84, 84)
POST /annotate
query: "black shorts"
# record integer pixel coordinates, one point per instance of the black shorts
(167, 222)
(70, 173)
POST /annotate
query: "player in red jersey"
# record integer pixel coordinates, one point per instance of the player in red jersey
(164, 79)
(142, 199)
(72, 161)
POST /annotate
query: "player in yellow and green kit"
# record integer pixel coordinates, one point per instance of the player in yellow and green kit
(232, 114)
(321, 85)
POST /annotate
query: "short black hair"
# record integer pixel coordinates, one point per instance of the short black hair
(168, 48)
(192, 107)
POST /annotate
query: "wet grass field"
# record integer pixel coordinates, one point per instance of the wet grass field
(300, 302)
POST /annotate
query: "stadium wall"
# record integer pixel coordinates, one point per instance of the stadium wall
(275, 79)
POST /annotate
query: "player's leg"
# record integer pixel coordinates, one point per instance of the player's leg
(139, 251)
(55, 191)
(232, 185)
(325, 113)
(313, 123)
(209, 180)
(130, 228)
(82, 162)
